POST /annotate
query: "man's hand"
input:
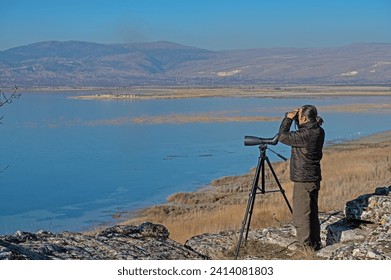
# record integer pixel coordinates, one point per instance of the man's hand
(292, 114)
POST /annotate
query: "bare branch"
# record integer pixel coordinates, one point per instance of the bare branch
(4, 99)
(7, 99)
(4, 169)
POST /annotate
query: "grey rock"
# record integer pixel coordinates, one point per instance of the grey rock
(147, 241)
(328, 251)
(345, 230)
(365, 233)
(283, 236)
(213, 246)
(224, 244)
(375, 207)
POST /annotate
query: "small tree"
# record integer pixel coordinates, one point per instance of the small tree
(7, 99)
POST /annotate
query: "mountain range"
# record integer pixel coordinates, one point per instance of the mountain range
(82, 64)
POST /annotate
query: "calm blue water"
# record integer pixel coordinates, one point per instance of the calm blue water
(69, 167)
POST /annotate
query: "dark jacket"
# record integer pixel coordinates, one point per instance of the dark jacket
(307, 143)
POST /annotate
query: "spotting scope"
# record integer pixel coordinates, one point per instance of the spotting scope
(253, 140)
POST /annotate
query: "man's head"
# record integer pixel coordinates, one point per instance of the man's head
(304, 114)
(307, 113)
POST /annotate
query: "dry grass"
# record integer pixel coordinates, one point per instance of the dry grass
(354, 171)
(349, 170)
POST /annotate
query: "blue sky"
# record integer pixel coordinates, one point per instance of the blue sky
(212, 24)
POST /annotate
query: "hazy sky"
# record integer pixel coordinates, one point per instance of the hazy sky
(210, 24)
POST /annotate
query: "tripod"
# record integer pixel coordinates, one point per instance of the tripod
(254, 191)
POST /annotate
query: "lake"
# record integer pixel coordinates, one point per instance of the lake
(71, 164)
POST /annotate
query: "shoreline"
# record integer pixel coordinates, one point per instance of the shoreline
(231, 192)
(150, 93)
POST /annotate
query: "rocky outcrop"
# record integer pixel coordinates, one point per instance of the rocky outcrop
(375, 208)
(362, 231)
(145, 242)
(372, 213)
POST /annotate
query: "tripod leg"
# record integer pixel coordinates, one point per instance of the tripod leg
(278, 183)
(263, 176)
(262, 169)
(249, 209)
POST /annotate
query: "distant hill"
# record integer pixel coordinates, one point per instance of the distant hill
(77, 64)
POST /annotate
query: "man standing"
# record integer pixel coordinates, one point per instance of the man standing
(307, 144)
